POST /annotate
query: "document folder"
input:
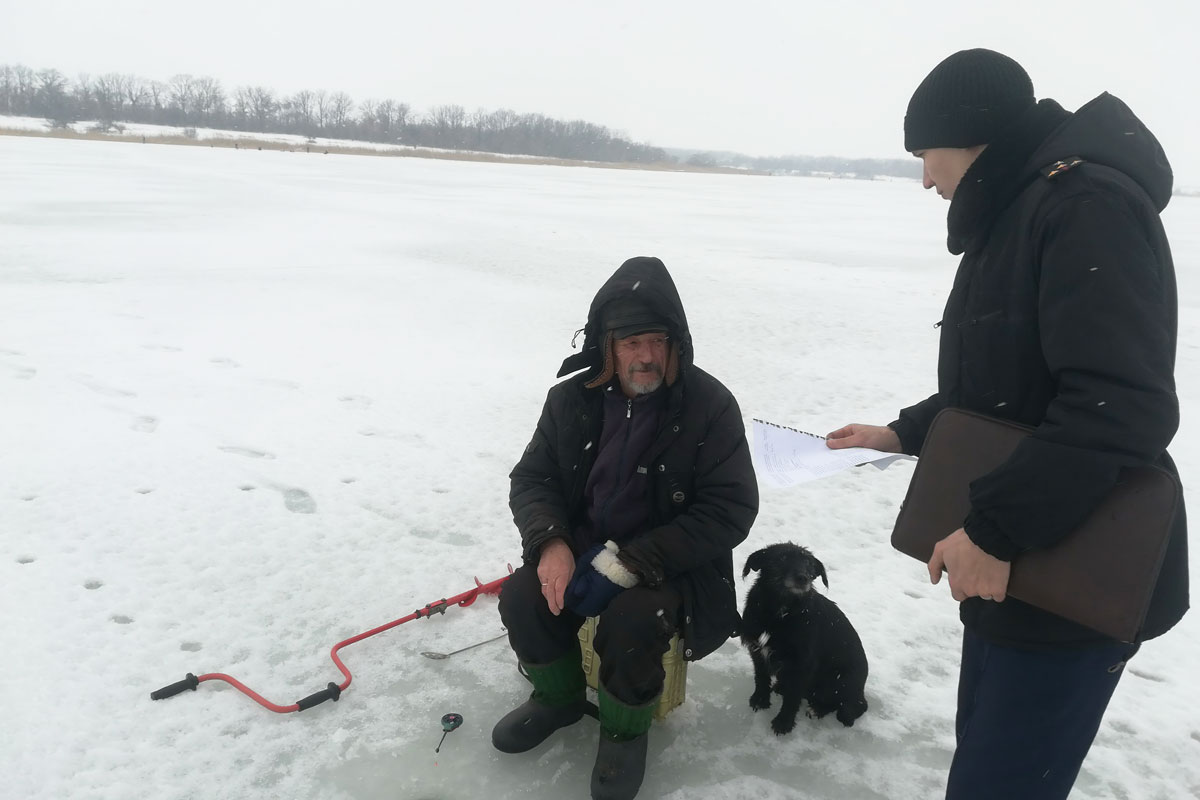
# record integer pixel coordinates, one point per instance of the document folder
(1100, 575)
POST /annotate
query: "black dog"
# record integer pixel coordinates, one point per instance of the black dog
(800, 638)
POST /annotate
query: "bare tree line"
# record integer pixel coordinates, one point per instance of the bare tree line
(191, 101)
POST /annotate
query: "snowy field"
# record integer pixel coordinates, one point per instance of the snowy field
(255, 403)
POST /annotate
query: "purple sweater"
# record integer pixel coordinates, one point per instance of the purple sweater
(615, 494)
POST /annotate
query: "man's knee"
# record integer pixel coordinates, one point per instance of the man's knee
(518, 596)
(639, 617)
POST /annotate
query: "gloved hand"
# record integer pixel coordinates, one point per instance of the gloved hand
(599, 577)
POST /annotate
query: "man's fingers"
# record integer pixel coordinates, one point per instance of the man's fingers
(936, 565)
(553, 599)
(559, 593)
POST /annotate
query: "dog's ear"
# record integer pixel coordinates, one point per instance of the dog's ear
(754, 562)
(821, 571)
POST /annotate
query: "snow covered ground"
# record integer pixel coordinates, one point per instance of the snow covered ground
(254, 403)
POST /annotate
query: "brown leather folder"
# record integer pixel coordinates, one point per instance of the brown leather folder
(1101, 575)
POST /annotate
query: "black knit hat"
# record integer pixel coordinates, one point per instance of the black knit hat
(967, 99)
(627, 316)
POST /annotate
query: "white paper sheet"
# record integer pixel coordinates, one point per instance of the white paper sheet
(785, 456)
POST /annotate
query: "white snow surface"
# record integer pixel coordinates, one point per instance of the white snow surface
(255, 403)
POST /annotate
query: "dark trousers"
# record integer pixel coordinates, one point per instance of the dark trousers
(1026, 718)
(632, 634)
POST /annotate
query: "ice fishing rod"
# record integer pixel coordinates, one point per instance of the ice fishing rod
(333, 691)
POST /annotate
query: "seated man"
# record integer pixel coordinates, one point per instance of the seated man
(630, 498)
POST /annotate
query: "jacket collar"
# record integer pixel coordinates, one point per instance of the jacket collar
(1000, 173)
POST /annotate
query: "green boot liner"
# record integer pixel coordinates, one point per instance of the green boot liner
(559, 683)
(621, 722)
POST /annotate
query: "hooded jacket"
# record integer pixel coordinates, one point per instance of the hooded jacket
(702, 495)
(1063, 317)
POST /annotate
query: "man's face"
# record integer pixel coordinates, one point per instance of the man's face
(641, 362)
(945, 167)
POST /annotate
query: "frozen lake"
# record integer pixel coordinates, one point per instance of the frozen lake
(254, 403)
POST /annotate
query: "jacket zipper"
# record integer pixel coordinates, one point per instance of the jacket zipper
(603, 521)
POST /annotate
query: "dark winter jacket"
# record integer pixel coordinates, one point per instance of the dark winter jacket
(1063, 317)
(701, 492)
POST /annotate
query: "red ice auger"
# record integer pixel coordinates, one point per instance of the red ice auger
(333, 691)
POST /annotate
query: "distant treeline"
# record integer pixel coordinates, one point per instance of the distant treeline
(190, 101)
(807, 165)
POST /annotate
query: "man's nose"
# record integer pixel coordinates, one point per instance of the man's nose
(926, 181)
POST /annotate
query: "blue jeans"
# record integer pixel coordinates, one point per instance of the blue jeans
(1027, 718)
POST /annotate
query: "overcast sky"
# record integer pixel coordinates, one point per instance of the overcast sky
(753, 76)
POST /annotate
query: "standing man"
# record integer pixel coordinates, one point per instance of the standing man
(1062, 317)
(630, 498)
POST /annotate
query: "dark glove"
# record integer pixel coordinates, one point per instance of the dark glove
(599, 577)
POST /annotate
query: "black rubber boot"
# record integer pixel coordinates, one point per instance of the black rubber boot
(620, 767)
(559, 699)
(621, 757)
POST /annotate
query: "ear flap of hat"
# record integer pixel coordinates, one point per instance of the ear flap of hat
(672, 373)
(607, 372)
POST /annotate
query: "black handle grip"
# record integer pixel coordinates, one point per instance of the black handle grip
(331, 692)
(190, 682)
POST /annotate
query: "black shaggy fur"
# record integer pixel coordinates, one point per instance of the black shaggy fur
(801, 639)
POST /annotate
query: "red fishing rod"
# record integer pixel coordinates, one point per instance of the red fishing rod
(333, 691)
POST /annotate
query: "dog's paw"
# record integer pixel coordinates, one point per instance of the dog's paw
(850, 712)
(760, 700)
(781, 725)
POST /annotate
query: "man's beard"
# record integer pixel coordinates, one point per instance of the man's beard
(645, 380)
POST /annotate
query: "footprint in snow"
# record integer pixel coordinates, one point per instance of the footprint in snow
(20, 372)
(121, 619)
(245, 451)
(190, 647)
(224, 362)
(145, 424)
(93, 584)
(299, 501)
(107, 391)
(25, 559)
(1149, 676)
(355, 401)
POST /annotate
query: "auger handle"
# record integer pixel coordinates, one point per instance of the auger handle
(190, 682)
